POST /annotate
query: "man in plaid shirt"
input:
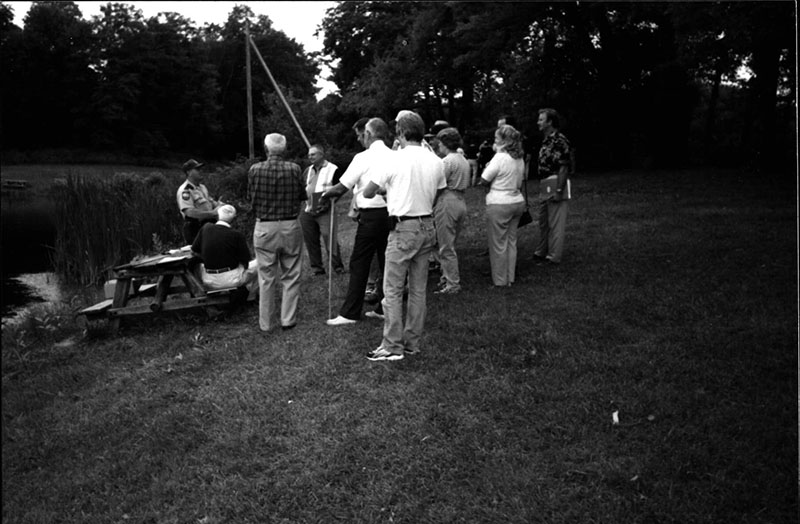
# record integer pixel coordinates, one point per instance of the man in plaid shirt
(275, 189)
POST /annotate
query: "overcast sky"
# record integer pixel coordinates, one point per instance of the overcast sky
(299, 20)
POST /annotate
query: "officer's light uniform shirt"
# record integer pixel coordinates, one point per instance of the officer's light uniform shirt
(193, 197)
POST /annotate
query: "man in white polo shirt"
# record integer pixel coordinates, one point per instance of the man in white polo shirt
(412, 185)
(373, 219)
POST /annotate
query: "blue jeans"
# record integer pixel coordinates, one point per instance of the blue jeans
(410, 244)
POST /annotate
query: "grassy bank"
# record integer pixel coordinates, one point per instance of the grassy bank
(676, 306)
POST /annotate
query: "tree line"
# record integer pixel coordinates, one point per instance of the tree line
(639, 84)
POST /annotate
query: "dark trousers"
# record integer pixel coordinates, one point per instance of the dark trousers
(190, 229)
(316, 227)
(371, 237)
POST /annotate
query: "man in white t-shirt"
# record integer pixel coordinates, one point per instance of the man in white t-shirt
(412, 185)
(373, 219)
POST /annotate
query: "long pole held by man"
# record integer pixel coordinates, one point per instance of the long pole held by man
(331, 239)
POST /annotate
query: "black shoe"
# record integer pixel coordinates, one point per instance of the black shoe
(319, 272)
(290, 326)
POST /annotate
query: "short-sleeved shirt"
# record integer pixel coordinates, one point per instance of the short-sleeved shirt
(275, 189)
(192, 196)
(554, 153)
(363, 168)
(411, 184)
(221, 247)
(457, 171)
(505, 174)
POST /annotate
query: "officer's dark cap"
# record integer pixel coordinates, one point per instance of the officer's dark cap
(191, 164)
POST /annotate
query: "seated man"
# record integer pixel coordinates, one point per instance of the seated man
(225, 255)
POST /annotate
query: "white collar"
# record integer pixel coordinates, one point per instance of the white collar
(222, 223)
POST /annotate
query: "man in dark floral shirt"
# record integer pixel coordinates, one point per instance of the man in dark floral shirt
(554, 192)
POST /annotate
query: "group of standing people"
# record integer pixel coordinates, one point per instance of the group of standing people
(409, 204)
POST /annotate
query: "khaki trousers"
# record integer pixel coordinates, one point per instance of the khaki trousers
(279, 252)
(502, 221)
(552, 223)
(449, 215)
(234, 278)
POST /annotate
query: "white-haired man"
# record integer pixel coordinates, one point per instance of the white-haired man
(316, 223)
(275, 189)
(225, 255)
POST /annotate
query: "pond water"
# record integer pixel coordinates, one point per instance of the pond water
(23, 292)
(20, 292)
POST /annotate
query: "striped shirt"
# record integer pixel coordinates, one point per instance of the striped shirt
(275, 189)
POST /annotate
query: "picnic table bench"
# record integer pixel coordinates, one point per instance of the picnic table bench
(165, 296)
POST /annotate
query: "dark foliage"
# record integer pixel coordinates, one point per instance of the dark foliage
(638, 83)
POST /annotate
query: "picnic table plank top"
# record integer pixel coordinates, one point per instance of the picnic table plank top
(161, 260)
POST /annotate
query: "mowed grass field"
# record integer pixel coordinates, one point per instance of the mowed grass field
(675, 306)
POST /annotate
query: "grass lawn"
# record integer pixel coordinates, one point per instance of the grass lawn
(676, 306)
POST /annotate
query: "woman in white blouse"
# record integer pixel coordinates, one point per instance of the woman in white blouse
(504, 175)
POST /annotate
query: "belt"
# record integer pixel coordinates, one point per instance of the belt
(454, 190)
(276, 219)
(218, 271)
(404, 218)
(371, 209)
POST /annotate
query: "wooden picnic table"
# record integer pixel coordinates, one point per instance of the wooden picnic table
(162, 268)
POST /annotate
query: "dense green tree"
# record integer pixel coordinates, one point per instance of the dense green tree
(47, 78)
(639, 83)
(292, 68)
(628, 76)
(715, 41)
(158, 92)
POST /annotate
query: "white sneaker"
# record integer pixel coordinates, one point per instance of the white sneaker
(374, 314)
(382, 353)
(340, 321)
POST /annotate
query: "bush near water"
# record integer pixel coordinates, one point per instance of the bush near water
(102, 222)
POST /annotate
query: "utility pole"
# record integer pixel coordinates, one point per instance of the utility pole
(280, 93)
(249, 91)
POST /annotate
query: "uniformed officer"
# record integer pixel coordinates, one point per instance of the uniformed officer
(195, 204)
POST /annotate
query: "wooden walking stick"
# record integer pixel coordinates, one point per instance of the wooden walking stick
(330, 260)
